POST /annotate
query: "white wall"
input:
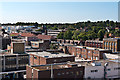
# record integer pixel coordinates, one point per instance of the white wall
(99, 74)
(113, 73)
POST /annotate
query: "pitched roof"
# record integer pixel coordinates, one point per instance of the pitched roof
(22, 34)
(44, 37)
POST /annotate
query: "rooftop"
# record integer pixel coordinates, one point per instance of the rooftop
(44, 37)
(49, 55)
(92, 48)
(70, 64)
(111, 39)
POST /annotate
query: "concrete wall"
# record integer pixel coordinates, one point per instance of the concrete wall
(89, 74)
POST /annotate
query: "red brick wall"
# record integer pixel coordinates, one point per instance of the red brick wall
(35, 74)
(28, 73)
(74, 72)
(37, 61)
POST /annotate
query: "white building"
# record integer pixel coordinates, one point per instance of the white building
(102, 69)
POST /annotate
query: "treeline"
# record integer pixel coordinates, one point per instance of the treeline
(91, 30)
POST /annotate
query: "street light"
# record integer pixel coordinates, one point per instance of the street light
(105, 66)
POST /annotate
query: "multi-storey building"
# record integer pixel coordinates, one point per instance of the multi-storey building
(103, 69)
(90, 53)
(4, 41)
(41, 58)
(112, 44)
(61, 70)
(13, 64)
(94, 43)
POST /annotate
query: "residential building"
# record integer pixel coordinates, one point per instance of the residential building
(90, 53)
(42, 58)
(94, 43)
(112, 44)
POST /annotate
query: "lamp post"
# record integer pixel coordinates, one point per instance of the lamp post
(105, 66)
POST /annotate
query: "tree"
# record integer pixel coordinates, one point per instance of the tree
(60, 35)
(101, 34)
(68, 34)
(75, 34)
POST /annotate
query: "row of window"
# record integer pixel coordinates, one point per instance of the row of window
(68, 73)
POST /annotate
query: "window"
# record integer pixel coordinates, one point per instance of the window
(83, 50)
(106, 43)
(88, 56)
(67, 72)
(58, 74)
(88, 51)
(81, 56)
(35, 57)
(77, 73)
(71, 72)
(117, 68)
(63, 73)
(94, 52)
(94, 70)
(108, 69)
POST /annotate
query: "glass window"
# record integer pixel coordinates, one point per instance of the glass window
(108, 69)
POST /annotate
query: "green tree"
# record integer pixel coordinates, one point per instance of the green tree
(60, 35)
(68, 34)
(101, 34)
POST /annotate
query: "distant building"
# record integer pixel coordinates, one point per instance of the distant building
(41, 58)
(94, 43)
(43, 44)
(45, 37)
(65, 71)
(27, 37)
(90, 53)
(74, 42)
(4, 41)
(112, 44)
(53, 32)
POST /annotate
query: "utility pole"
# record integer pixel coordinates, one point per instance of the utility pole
(51, 72)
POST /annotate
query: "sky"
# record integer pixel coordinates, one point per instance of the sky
(57, 12)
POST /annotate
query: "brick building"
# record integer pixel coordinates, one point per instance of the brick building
(16, 48)
(41, 58)
(87, 52)
(112, 44)
(93, 43)
(43, 44)
(55, 71)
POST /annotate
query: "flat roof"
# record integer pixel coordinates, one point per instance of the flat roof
(111, 39)
(92, 48)
(9, 54)
(49, 54)
(94, 41)
(70, 64)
